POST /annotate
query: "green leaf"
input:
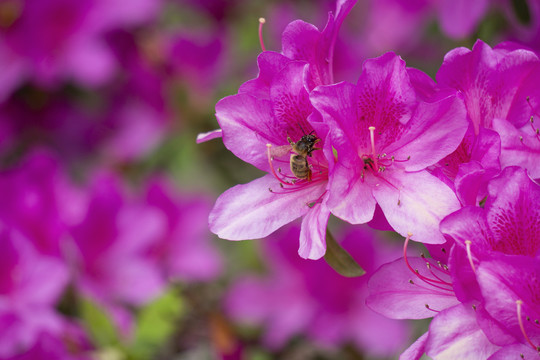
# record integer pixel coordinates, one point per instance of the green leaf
(340, 260)
(98, 324)
(155, 324)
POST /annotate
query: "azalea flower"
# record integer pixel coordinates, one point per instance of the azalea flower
(67, 38)
(480, 289)
(30, 287)
(110, 254)
(260, 125)
(500, 93)
(40, 202)
(184, 251)
(384, 139)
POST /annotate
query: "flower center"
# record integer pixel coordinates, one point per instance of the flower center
(376, 163)
(302, 170)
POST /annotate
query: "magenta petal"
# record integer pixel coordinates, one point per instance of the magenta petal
(416, 350)
(513, 213)
(515, 351)
(415, 203)
(251, 211)
(392, 294)
(503, 282)
(313, 233)
(350, 199)
(458, 18)
(438, 126)
(468, 182)
(248, 124)
(454, 334)
(519, 147)
(270, 63)
(210, 135)
(468, 223)
(385, 94)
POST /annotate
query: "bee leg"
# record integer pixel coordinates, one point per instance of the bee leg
(290, 140)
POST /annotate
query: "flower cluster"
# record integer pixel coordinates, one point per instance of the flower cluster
(115, 248)
(449, 163)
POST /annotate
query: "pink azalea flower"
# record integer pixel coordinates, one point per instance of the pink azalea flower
(510, 286)
(40, 202)
(111, 253)
(385, 139)
(30, 286)
(257, 209)
(58, 40)
(184, 251)
(310, 298)
(422, 287)
(473, 293)
(258, 125)
(500, 93)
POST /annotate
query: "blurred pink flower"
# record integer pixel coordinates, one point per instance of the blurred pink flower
(59, 40)
(40, 202)
(111, 245)
(301, 297)
(184, 250)
(30, 286)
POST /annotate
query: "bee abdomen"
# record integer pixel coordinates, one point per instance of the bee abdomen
(300, 167)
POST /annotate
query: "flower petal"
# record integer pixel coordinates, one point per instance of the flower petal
(435, 131)
(248, 124)
(415, 203)
(392, 294)
(313, 232)
(454, 334)
(251, 211)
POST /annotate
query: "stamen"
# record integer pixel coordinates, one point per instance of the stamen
(268, 146)
(372, 139)
(519, 303)
(431, 282)
(261, 23)
(427, 307)
(469, 254)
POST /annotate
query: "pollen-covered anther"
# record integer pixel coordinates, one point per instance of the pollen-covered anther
(519, 304)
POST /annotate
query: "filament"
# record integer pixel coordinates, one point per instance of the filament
(261, 23)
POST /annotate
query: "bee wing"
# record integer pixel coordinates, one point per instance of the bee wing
(279, 151)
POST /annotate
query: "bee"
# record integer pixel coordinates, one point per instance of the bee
(301, 150)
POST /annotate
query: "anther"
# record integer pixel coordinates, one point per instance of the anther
(411, 282)
(474, 307)
(469, 254)
(521, 138)
(261, 23)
